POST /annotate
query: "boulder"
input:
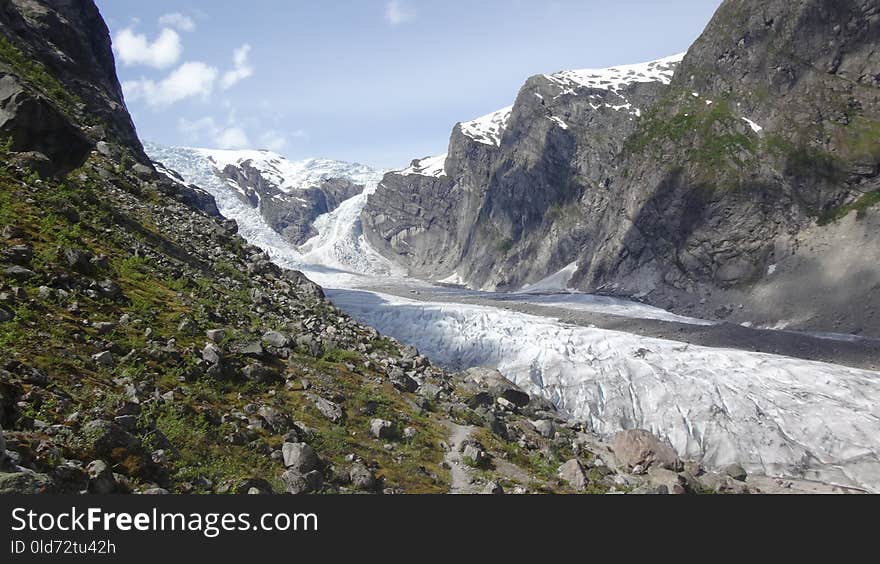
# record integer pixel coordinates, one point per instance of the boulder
(275, 420)
(25, 483)
(276, 339)
(493, 488)
(328, 409)
(256, 372)
(545, 427)
(19, 273)
(474, 454)
(299, 457)
(35, 125)
(361, 477)
(103, 358)
(101, 438)
(498, 385)
(638, 447)
(737, 472)
(573, 473)
(101, 478)
(673, 482)
(382, 429)
(298, 483)
(212, 354)
(216, 336)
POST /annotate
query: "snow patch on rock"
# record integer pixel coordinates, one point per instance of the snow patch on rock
(489, 128)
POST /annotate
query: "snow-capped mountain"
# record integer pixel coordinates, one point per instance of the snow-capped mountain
(287, 175)
(267, 194)
(289, 195)
(490, 212)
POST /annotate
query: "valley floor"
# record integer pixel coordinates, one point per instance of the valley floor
(612, 314)
(781, 404)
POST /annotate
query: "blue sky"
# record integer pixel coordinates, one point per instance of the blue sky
(374, 81)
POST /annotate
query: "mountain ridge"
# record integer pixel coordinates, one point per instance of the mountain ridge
(717, 200)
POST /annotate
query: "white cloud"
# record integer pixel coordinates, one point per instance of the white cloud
(207, 131)
(136, 49)
(397, 12)
(233, 138)
(242, 69)
(192, 79)
(273, 140)
(178, 21)
(197, 130)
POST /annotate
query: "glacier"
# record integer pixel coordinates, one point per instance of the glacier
(775, 415)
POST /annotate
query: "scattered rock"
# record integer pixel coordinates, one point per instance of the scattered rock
(638, 447)
(382, 429)
(361, 477)
(573, 473)
(299, 457)
(737, 472)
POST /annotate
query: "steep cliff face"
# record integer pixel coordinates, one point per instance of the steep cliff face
(59, 94)
(748, 191)
(500, 209)
(744, 190)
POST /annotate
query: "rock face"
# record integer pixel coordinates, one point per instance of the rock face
(58, 79)
(638, 447)
(34, 124)
(749, 178)
(753, 180)
(500, 209)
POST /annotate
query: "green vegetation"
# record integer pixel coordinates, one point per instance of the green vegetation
(37, 76)
(860, 206)
(177, 306)
(717, 149)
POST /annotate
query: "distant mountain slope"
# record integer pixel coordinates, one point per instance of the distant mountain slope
(289, 195)
(499, 210)
(749, 191)
(739, 182)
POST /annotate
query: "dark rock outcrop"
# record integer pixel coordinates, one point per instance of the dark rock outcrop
(745, 190)
(753, 180)
(505, 209)
(60, 49)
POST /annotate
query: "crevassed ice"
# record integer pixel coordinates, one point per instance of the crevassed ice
(774, 415)
(340, 244)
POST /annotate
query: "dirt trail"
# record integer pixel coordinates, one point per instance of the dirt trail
(462, 481)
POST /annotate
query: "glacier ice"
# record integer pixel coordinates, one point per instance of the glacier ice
(775, 415)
